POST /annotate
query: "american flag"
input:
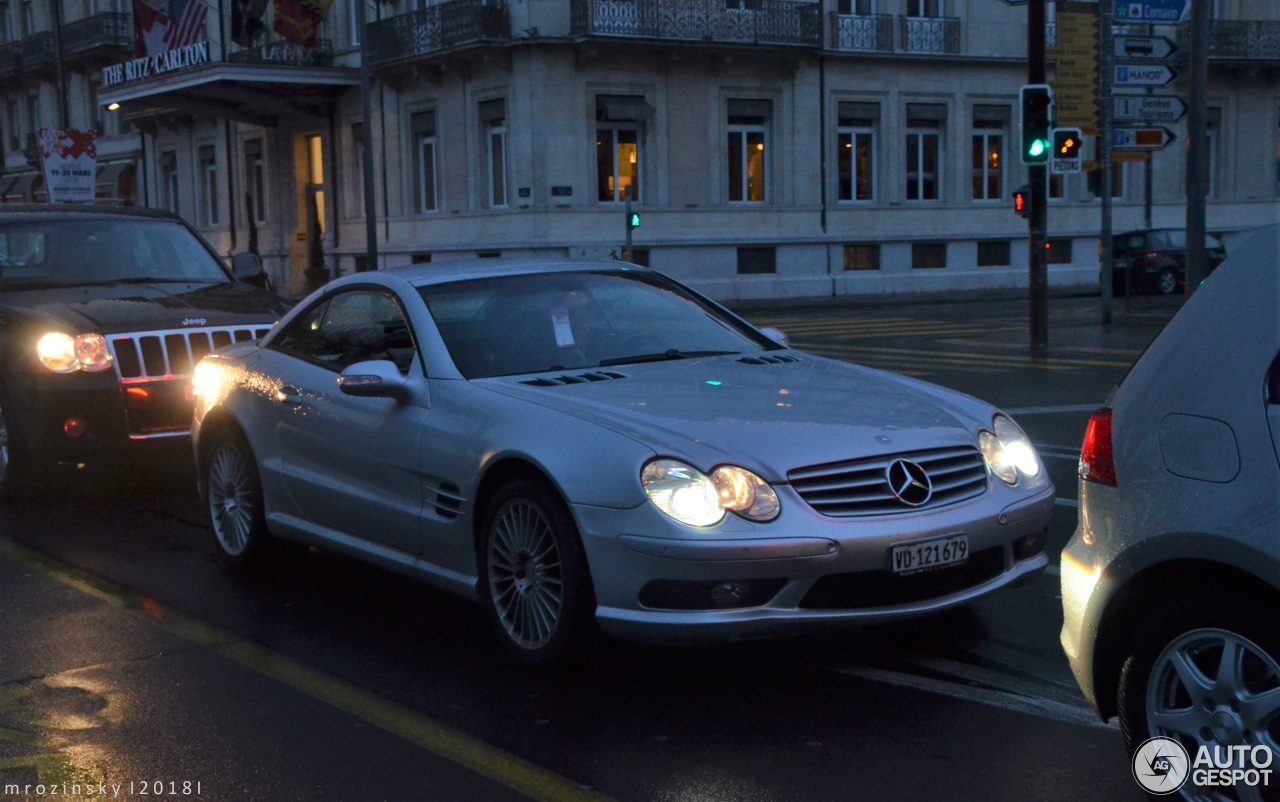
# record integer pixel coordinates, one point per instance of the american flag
(186, 22)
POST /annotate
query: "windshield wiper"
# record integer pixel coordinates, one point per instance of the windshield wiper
(663, 356)
(142, 280)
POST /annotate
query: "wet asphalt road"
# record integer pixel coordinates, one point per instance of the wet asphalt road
(128, 654)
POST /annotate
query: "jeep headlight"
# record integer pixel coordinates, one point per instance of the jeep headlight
(694, 498)
(62, 353)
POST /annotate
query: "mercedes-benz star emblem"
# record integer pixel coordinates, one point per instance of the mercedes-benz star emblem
(909, 483)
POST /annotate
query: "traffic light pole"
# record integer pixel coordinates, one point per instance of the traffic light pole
(626, 254)
(1106, 15)
(1038, 175)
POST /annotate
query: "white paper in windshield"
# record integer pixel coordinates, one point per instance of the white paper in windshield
(564, 332)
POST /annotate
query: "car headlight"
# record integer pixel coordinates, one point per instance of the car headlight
(1008, 452)
(692, 497)
(63, 353)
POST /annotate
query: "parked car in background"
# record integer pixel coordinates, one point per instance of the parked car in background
(1155, 260)
(104, 311)
(1172, 580)
(583, 440)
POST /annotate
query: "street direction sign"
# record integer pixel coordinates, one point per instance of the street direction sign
(1075, 82)
(1154, 138)
(1143, 75)
(1152, 47)
(1150, 108)
(1152, 11)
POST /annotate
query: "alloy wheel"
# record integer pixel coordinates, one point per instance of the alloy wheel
(1211, 687)
(231, 499)
(1167, 282)
(526, 582)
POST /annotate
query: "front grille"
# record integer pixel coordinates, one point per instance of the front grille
(870, 589)
(861, 487)
(150, 356)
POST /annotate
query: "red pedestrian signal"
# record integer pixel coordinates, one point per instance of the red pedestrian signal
(1022, 201)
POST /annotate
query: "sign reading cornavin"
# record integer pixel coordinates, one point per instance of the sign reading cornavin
(171, 60)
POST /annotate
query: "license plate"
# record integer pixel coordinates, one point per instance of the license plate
(926, 555)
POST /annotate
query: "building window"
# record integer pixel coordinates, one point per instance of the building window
(6, 23)
(169, 180)
(862, 8)
(856, 149)
(619, 157)
(353, 22)
(422, 128)
(255, 182)
(208, 180)
(924, 145)
(357, 170)
(28, 18)
(420, 258)
(1058, 252)
(990, 132)
(862, 256)
(1212, 126)
(994, 253)
(748, 151)
(928, 255)
(753, 261)
(1057, 186)
(926, 8)
(493, 123)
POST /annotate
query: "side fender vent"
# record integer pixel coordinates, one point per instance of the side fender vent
(448, 500)
(577, 378)
(779, 359)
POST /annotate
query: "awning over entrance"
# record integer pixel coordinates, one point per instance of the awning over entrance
(258, 94)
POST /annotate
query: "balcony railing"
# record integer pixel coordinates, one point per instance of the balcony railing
(285, 53)
(99, 34)
(38, 51)
(451, 24)
(770, 22)
(1238, 40)
(872, 32)
(929, 34)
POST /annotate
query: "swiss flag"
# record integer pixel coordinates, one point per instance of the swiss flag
(149, 28)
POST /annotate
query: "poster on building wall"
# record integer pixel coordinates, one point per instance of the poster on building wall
(70, 161)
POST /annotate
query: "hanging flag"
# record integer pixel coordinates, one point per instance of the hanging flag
(246, 20)
(186, 23)
(149, 30)
(297, 20)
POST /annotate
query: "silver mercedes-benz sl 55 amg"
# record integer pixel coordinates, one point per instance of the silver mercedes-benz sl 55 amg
(591, 443)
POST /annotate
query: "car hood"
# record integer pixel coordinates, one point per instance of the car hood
(767, 417)
(147, 307)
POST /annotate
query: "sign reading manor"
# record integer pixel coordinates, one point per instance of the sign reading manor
(171, 60)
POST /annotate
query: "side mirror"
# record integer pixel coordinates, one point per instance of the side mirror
(247, 269)
(776, 335)
(375, 378)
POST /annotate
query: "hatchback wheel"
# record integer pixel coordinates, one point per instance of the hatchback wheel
(534, 578)
(1167, 282)
(1204, 672)
(233, 492)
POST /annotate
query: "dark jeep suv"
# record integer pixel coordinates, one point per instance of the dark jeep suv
(104, 311)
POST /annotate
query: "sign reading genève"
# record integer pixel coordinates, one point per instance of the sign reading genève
(139, 68)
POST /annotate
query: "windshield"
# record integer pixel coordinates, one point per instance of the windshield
(61, 252)
(571, 321)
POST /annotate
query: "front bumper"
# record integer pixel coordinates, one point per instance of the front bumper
(812, 570)
(143, 421)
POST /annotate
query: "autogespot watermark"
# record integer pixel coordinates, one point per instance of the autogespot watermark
(1162, 766)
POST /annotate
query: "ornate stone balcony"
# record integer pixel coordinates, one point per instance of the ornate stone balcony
(100, 36)
(869, 33)
(754, 22)
(437, 29)
(939, 35)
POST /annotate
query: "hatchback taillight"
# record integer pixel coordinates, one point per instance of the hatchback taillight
(1096, 462)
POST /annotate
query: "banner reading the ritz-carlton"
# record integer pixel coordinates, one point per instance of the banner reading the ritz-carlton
(70, 160)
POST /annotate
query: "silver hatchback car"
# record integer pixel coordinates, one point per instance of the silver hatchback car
(578, 441)
(1171, 584)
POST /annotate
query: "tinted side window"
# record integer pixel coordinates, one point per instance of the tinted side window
(351, 327)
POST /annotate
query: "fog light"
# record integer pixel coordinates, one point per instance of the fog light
(730, 594)
(1030, 545)
(74, 427)
(683, 594)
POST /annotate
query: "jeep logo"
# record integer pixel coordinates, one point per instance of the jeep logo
(194, 321)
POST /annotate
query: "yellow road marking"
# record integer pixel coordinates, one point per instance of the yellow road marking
(488, 761)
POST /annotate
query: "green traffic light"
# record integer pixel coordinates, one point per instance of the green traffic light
(634, 220)
(1038, 147)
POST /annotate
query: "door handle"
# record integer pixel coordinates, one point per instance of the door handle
(288, 394)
